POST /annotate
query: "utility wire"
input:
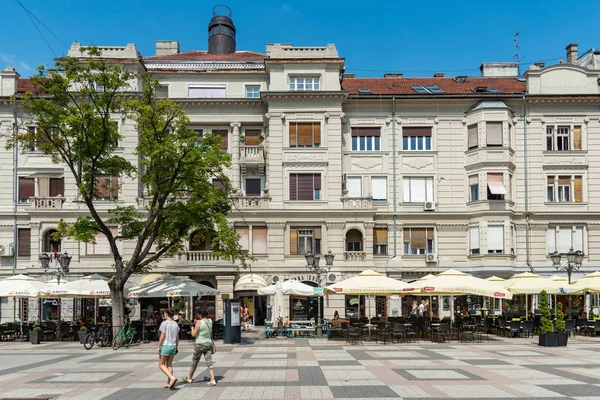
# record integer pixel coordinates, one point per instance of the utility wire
(31, 17)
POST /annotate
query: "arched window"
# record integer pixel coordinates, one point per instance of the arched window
(51, 242)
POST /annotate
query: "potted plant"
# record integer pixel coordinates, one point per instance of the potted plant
(35, 335)
(547, 336)
(242, 138)
(82, 334)
(563, 336)
(261, 137)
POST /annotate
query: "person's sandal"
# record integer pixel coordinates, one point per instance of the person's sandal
(211, 383)
(172, 383)
(187, 380)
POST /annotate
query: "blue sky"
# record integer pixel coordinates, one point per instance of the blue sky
(416, 38)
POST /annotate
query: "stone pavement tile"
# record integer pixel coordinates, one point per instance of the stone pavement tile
(80, 377)
(292, 375)
(487, 361)
(410, 391)
(309, 376)
(524, 373)
(412, 363)
(363, 392)
(34, 392)
(535, 391)
(437, 374)
(15, 377)
(315, 392)
(472, 391)
(395, 354)
(141, 394)
(573, 390)
(292, 393)
(95, 393)
(188, 392)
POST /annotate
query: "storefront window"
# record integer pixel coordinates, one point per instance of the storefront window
(355, 306)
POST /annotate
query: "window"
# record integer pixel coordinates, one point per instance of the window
(57, 187)
(380, 241)
(305, 240)
(51, 243)
(495, 185)
(379, 189)
(252, 137)
(355, 306)
(565, 238)
(354, 187)
(219, 185)
(26, 189)
(253, 187)
(495, 239)
(366, 139)
(305, 134)
(418, 241)
(305, 186)
(473, 240)
(563, 138)
(298, 83)
(253, 92)
(416, 138)
(32, 134)
(472, 132)
(162, 92)
(427, 89)
(494, 133)
(206, 92)
(101, 247)
(106, 188)
(564, 189)
(24, 242)
(474, 188)
(252, 238)
(199, 135)
(418, 190)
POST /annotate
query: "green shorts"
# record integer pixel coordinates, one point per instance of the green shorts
(168, 350)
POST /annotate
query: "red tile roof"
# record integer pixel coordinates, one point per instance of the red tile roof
(25, 85)
(402, 86)
(239, 56)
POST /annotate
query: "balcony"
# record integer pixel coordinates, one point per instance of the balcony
(250, 203)
(486, 156)
(356, 203)
(252, 154)
(354, 256)
(47, 203)
(199, 257)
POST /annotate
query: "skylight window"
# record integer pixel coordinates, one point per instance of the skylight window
(420, 89)
(364, 90)
(492, 90)
(427, 89)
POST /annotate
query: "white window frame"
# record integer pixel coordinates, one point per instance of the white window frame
(474, 240)
(563, 141)
(496, 249)
(562, 193)
(550, 135)
(473, 188)
(374, 195)
(262, 182)
(361, 143)
(429, 194)
(553, 238)
(219, 86)
(429, 243)
(253, 91)
(34, 148)
(407, 143)
(350, 186)
(302, 83)
(308, 237)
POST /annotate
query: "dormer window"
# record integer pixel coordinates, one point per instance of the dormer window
(305, 83)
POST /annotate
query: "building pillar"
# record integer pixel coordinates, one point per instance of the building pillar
(235, 155)
(225, 286)
(368, 240)
(276, 240)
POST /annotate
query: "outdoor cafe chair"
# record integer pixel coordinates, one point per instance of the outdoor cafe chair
(514, 328)
(399, 332)
(527, 328)
(441, 332)
(570, 326)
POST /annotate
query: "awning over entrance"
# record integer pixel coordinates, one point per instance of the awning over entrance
(250, 282)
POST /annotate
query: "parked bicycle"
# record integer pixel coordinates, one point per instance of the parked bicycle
(125, 336)
(101, 335)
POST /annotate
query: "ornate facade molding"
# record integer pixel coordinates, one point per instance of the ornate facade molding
(369, 224)
(452, 226)
(235, 125)
(335, 224)
(307, 96)
(6, 227)
(276, 224)
(247, 103)
(593, 226)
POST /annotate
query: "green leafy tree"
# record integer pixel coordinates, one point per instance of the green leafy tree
(73, 112)
(560, 318)
(546, 319)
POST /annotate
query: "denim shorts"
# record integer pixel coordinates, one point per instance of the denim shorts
(168, 350)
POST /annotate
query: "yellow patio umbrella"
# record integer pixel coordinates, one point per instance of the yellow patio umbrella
(495, 279)
(589, 283)
(149, 278)
(528, 283)
(453, 282)
(371, 283)
(426, 277)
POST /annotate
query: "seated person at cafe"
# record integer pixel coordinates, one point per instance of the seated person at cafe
(336, 315)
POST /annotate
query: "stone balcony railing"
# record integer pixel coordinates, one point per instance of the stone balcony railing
(252, 203)
(252, 154)
(357, 202)
(47, 203)
(354, 255)
(195, 257)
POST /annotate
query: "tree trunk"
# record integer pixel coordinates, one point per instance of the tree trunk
(118, 304)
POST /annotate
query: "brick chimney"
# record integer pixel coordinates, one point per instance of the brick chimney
(394, 75)
(572, 53)
(8, 81)
(165, 47)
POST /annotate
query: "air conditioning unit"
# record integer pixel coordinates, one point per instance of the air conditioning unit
(429, 206)
(334, 277)
(431, 257)
(6, 250)
(275, 278)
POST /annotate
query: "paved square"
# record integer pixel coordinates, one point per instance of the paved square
(309, 369)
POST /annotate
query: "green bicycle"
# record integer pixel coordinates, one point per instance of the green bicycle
(124, 337)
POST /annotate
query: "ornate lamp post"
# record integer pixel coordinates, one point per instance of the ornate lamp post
(574, 261)
(62, 269)
(312, 264)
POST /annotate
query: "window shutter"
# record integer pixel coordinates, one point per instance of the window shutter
(417, 190)
(406, 190)
(219, 185)
(418, 238)
(26, 188)
(243, 234)
(564, 180)
(114, 188)
(494, 133)
(380, 236)
(305, 187)
(550, 180)
(253, 187)
(293, 187)
(496, 183)
(379, 188)
(578, 189)
(472, 131)
(259, 240)
(366, 131)
(252, 137)
(24, 242)
(293, 241)
(317, 232)
(578, 239)
(496, 238)
(353, 186)
(102, 247)
(428, 189)
(305, 134)
(317, 180)
(224, 134)
(577, 138)
(416, 131)
(57, 187)
(406, 235)
(102, 186)
(473, 237)
(317, 129)
(207, 92)
(429, 232)
(551, 239)
(473, 180)
(565, 236)
(293, 134)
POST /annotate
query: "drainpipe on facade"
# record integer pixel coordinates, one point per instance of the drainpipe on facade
(526, 172)
(15, 183)
(395, 217)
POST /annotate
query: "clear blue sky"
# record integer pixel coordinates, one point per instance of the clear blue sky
(417, 38)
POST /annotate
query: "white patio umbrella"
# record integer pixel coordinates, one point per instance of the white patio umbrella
(91, 286)
(171, 286)
(22, 286)
(371, 283)
(589, 283)
(292, 287)
(278, 310)
(453, 282)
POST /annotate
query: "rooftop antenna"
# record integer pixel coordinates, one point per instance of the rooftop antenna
(516, 56)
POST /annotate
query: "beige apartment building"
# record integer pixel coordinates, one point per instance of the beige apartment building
(405, 176)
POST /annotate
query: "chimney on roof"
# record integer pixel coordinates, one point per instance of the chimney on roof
(572, 53)
(540, 65)
(8, 81)
(348, 76)
(438, 75)
(165, 47)
(221, 31)
(393, 75)
(496, 69)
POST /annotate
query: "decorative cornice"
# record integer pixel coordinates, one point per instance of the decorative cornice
(195, 65)
(306, 95)
(211, 102)
(6, 227)
(235, 125)
(369, 224)
(593, 226)
(452, 227)
(335, 224)
(276, 224)
(34, 224)
(583, 99)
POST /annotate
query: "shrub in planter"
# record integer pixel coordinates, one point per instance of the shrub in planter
(35, 335)
(547, 335)
(563, 336)
(82, 334)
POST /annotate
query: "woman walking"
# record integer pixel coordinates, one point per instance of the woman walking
(245, 317)
(167, 347)
(202, 331)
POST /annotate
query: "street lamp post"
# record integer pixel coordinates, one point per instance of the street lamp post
(574, 261)
(62, 269)
(312, 264)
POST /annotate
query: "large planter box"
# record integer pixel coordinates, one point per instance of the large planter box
(35, 337)
(548, 339)
(82, 335)
(563, 338)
